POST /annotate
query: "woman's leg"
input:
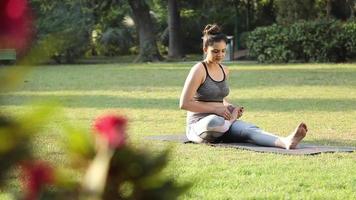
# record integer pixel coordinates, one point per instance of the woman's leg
(244, 131)
(241, 130)
(208, 129)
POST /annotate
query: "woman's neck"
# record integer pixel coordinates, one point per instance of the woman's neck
(211, 63)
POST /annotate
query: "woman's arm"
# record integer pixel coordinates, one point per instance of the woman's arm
(191, 85)
(227, 103)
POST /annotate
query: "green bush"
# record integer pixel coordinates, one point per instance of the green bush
(349, 39)
(243, 40)
(70, 22)
(314, 41)
(116, 41)
(269, 44)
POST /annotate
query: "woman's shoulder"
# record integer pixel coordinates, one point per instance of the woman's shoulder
(197, 72)
(198, 67)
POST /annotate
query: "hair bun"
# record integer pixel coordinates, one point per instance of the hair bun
(211, 29)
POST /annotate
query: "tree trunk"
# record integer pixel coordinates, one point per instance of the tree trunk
(352, 5)
(144, 26)
(236, 24)
(175, 49)
(248, 14)
(328, 8)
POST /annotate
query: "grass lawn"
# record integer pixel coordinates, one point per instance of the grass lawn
(275, 97)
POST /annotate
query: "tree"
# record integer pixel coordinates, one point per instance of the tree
(289, 12)
(114, 31)
(236, 25)
(144, 26)
(340, 9)
(175, 48)
(70, 22)
(328, 8)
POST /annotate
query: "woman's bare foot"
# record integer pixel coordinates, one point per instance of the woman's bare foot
(291, 141)
(235, 114)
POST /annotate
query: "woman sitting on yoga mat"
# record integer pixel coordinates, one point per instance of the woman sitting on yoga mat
(210, 117)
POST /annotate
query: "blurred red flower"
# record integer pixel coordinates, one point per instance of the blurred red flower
(35, 175)
(16, 27)
(113, 129)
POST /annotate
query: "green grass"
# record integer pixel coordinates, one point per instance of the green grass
(276, 97)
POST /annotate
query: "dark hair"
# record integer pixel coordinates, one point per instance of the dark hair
(212, 33)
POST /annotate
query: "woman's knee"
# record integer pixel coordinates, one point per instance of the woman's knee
(242, 128)
(209, 127)
(214, 121)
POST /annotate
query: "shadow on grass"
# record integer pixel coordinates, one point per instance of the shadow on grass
(113, 78)
(270, 78)
(108, 101)
(307, 104)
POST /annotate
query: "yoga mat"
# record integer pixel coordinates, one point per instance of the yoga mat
(302, 148)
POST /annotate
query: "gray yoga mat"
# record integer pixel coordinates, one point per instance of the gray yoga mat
(303, 148)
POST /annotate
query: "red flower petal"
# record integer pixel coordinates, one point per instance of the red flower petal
(16, 27)
(112, 128)
(36, 174)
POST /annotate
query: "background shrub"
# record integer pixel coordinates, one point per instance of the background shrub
(313, 41)
(269, 44)
(72, 35)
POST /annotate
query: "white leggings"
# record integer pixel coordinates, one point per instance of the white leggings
(214, 128)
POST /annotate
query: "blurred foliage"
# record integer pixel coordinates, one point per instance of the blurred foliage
(131, 173)
(312, 41)
(136, 177)
(14, 144)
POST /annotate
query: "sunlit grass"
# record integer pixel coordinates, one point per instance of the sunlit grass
(276, 97)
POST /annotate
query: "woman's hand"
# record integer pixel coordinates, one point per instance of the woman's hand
(223, 111)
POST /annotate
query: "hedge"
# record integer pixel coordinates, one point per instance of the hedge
(307, 41)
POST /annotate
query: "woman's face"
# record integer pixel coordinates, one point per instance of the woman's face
(216, 52)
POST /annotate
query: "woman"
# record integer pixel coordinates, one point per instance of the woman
(210, 117)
